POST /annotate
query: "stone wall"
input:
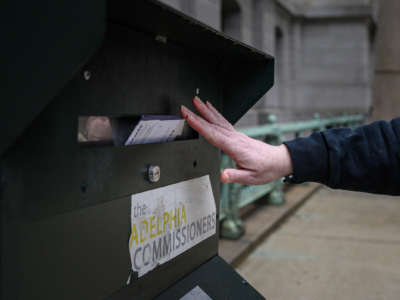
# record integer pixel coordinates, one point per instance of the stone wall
(333, 73)
(206, 11)
(322, 49)
(386, 104)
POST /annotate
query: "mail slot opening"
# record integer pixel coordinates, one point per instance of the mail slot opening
(133, 130)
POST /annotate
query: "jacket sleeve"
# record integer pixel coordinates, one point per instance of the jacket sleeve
(365, 159)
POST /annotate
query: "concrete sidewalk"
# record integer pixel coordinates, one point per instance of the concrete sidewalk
(339, 245)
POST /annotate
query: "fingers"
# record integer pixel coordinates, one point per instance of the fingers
(204, 111)
(220, 117)
(208, 112)
(214, 134)
(237, 175)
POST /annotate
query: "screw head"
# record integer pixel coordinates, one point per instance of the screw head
(87, 74)
(154, 173)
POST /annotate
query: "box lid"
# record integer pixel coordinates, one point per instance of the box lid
(46, 42)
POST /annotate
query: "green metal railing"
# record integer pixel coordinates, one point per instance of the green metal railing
(236, 196)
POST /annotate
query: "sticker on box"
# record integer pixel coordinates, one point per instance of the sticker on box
(168, 221)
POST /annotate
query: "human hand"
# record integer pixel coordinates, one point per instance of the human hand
(257, 162)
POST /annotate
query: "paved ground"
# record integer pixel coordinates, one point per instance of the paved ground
(339, 245)
(261, 220)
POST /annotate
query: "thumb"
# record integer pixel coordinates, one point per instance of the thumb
(236, 175)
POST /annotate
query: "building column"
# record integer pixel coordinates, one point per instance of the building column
(386, 87)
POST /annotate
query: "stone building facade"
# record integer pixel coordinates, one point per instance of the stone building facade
(386, 87)
(324, 51)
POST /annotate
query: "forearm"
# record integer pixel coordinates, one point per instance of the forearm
(366, 159)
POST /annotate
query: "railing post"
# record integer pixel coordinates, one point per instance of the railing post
(317, 117)
(232, 226)
(329, 116)
(275, 197)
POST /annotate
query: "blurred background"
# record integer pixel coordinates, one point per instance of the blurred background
(332, 56)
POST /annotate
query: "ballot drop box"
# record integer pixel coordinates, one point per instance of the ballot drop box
(105, 191)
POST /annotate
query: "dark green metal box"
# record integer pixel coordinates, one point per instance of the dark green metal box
(65, 209)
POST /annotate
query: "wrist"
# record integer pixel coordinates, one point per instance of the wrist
(285, 161)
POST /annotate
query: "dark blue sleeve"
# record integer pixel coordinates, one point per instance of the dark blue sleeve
(365, 159)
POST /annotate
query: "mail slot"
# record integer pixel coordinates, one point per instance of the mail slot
(84, 221)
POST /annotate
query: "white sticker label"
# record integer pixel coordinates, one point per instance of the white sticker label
(168, 221)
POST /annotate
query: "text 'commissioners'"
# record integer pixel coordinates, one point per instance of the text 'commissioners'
(168, 221)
